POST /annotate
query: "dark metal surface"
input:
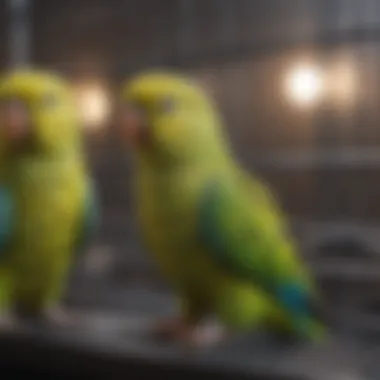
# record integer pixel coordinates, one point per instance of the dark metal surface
(111, 344)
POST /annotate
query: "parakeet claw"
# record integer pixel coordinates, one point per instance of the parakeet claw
(191, 335)
(170, 329)
(58, 317)
(205, 336)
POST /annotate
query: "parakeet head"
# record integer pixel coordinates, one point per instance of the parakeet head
(168, 116)
(37, 114)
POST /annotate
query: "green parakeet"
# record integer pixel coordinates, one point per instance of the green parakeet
(48, 204)
(217, 234)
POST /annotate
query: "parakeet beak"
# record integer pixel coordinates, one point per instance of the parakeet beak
(15, 120)
(132, 125)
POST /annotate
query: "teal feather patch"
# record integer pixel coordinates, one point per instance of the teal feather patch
(295, 299)
(207, 227)
(91, 219)
(237, 242)
(231, 249)
(6, 218)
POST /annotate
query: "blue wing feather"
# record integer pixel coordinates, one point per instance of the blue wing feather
(6, 218)
(91, 219)
(254, 260)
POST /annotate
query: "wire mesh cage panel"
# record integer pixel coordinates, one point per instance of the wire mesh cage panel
(297, 82)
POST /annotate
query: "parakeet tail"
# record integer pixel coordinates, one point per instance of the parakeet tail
(320, 311)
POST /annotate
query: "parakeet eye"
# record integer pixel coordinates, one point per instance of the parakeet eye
(167, 105)
(49, 101)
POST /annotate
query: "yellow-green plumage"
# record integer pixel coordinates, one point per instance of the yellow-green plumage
(46, 200)
(216, 233)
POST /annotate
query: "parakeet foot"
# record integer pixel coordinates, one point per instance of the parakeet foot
(205, 336)
(170, 329)
(189, 334)
(58, 317)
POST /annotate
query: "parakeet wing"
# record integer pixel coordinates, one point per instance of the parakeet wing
(91, 219)
(249, 241)
(6, 218)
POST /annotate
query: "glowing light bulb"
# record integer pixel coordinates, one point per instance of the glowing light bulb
(304, 85)
(94, 105)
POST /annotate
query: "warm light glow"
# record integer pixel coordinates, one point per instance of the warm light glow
(343, 83)
(304, 85)
(94, 105)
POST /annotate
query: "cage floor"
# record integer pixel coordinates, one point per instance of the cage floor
(108, 343)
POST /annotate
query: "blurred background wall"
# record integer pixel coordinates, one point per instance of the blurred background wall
(316, 141)
(298, 82)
